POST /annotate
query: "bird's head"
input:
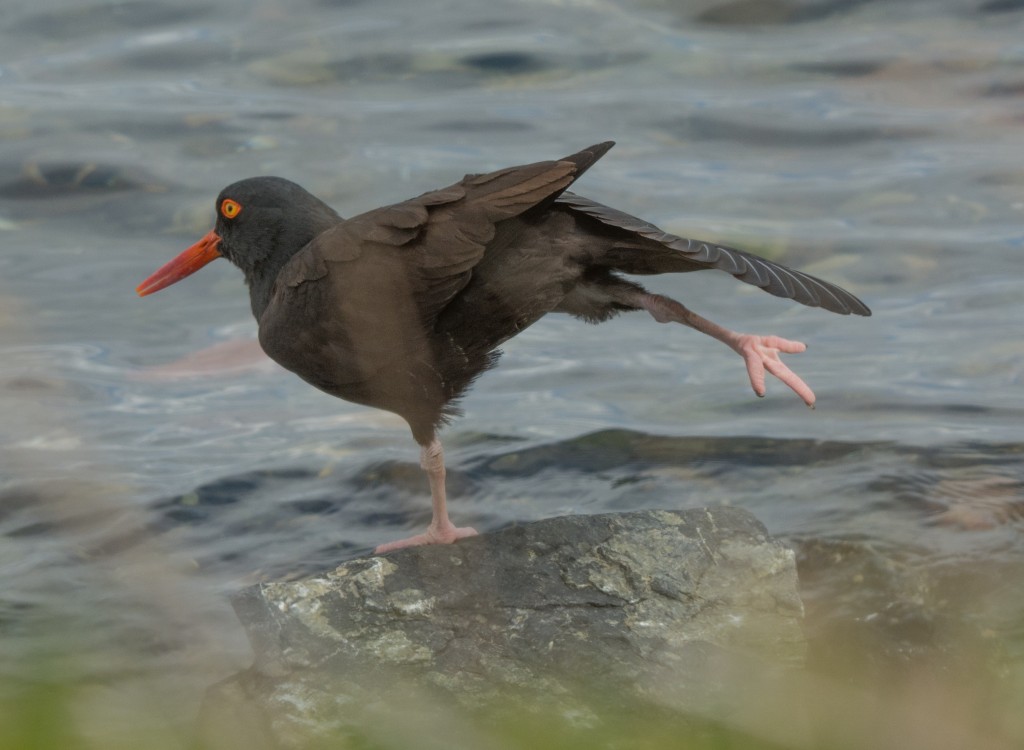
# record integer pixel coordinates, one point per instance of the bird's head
(261, 223)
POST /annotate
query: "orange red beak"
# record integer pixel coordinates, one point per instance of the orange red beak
(186, 264)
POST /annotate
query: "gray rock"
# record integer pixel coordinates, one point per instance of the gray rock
(556, 617)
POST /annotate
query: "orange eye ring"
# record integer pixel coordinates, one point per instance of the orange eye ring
(229, 209)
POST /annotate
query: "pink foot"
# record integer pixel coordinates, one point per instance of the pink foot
(759, 352)
(433, 535)
(762, 353)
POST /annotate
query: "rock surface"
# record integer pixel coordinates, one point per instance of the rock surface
(556, 616)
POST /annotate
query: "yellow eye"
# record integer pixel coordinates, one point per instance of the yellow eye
(229, 209)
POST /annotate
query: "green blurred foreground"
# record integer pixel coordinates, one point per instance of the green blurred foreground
(973, 701)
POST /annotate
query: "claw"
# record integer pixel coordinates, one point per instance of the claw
(761, 353)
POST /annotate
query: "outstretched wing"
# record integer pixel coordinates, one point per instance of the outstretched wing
(646, 249)
(431, 243)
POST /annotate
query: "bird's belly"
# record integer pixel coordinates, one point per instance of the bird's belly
(324, 359)
(364, 361)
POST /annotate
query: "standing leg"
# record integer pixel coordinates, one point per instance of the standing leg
(441, 529)
(759, 352)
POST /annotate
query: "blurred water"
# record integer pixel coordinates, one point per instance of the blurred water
(875, 144)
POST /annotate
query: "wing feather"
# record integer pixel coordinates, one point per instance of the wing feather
(435, 240)
(680, 254)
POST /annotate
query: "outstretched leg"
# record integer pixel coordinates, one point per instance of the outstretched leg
(441, 529)
(759, 352)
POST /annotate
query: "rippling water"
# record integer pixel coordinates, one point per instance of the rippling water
(152, 457)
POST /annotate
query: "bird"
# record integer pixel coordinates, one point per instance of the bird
(401, 308)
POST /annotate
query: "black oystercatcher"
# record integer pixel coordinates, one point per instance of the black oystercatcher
(401, 308)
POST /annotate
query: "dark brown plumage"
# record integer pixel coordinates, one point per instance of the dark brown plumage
(402, 307)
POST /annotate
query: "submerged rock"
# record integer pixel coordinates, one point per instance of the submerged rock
(556, 617)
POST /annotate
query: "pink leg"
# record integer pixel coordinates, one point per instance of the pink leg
(759, 352)
(441, 529)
